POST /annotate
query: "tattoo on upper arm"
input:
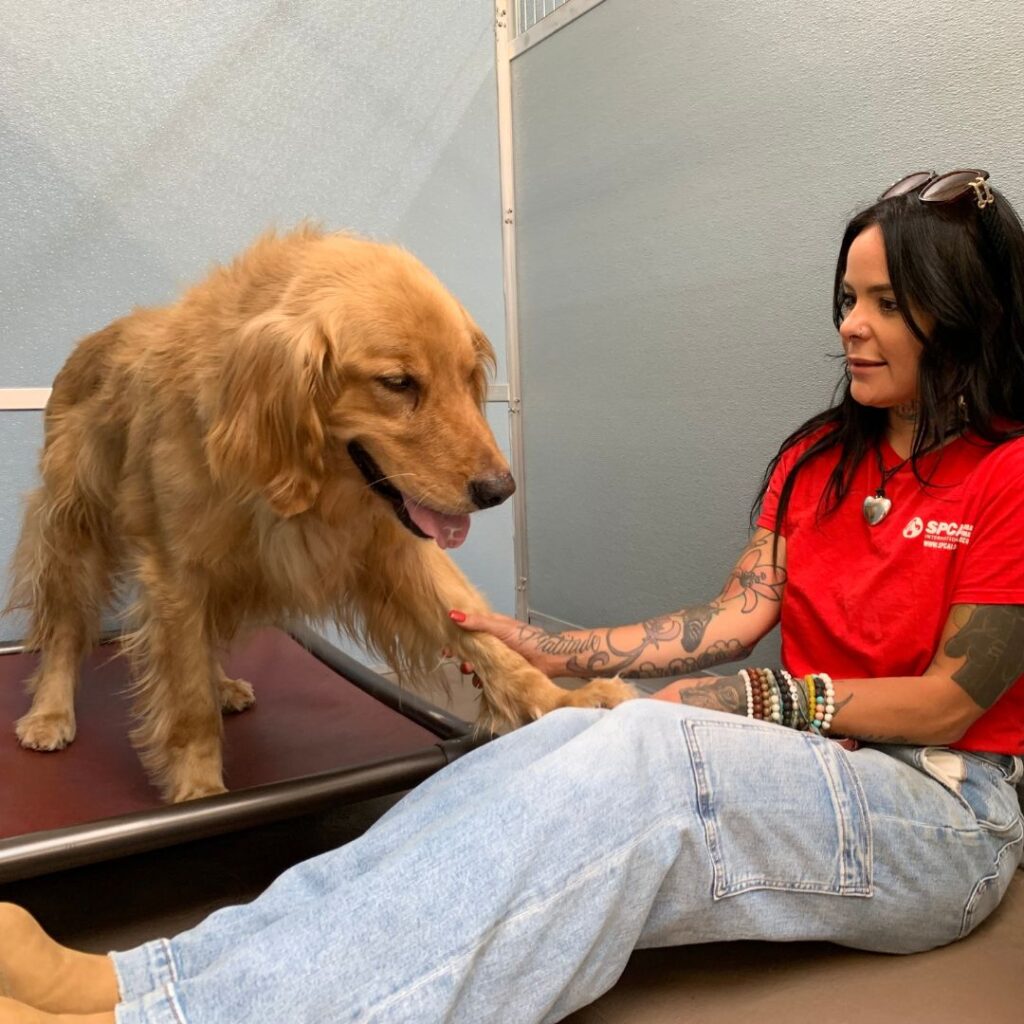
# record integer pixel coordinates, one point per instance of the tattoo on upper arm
(756, 577)
(990, 639)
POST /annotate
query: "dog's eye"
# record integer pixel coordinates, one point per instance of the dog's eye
(398, 382)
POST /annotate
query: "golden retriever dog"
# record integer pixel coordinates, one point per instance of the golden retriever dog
(301, 435)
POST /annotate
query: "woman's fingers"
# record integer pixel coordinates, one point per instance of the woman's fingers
(482, 622)
(502, 627)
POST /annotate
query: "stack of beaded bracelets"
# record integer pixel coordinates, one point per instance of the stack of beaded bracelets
(773, 695)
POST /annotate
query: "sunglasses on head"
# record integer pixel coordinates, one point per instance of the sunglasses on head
(943, 188)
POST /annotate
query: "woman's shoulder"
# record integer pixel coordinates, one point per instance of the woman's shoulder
(1000, 465)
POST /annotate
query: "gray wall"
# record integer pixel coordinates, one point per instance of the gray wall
(683, 175)
(143, 141)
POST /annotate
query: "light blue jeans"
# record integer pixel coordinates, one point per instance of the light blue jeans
(512, 886)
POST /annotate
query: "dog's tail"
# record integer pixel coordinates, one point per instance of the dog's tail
(60, 574)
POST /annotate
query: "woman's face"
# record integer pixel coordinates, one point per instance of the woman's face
(882, 353)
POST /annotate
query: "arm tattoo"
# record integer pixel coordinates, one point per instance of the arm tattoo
(684, 628)
(872, 738)
(718, 653)
(755, 577)
(991, 642)
(722, 693)
(559, 643)
(598, 652)
(670, 645)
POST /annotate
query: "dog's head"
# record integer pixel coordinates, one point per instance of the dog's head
(365, 365)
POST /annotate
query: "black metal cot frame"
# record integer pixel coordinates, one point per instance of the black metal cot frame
(43, 852)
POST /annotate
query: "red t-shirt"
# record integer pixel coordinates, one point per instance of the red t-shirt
(871, 601)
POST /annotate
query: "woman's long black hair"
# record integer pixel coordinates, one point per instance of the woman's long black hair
(965, 268)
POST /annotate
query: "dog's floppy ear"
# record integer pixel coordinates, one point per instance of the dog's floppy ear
(486, 361)
(267, 433)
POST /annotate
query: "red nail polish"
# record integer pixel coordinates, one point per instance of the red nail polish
(457, 616)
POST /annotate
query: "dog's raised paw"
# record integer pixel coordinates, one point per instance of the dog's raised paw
(236, 694)
(45, 731)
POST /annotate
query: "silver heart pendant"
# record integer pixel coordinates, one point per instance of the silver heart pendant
(876, 508)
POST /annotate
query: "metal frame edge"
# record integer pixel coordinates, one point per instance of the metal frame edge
(549, 25)
(503, 68)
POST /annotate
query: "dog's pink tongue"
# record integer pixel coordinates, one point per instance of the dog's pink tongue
(448, 531)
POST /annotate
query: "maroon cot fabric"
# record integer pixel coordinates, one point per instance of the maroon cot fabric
(307, 719)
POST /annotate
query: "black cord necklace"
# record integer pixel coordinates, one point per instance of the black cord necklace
(877, 507)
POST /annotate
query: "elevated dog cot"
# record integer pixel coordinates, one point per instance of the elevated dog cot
(324, 729)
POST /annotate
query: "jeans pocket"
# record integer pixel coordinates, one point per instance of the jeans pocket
(980, 787)
(780, 810)
(989, 804)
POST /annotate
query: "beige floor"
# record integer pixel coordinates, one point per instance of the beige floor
(980, 980)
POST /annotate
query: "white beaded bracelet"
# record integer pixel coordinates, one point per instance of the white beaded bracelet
(745, 676)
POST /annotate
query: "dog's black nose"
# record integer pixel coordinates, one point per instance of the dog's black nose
(488, 491)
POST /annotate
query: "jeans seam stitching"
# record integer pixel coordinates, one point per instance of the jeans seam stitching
(880, 816)
(172, 963)
(842, 759)
(172, 1001)
(978, 886)
(842, 825)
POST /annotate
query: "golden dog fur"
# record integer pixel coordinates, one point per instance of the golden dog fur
(199, 453)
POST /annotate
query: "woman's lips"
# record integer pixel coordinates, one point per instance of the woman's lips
(863, 365)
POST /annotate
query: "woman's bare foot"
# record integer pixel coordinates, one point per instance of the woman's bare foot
(13, 1012)
(40, 973)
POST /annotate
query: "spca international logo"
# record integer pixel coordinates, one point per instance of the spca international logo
(938, 534)
(914, 528)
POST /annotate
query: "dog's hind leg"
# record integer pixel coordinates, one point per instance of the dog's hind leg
(60, 574)
(176, 683)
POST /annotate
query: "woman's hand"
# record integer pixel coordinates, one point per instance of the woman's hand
(521, 637)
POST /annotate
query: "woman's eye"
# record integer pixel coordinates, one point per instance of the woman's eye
(888, 305)
(398, 382)
(846, 303)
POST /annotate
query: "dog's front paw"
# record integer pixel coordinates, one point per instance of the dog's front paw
(600, 693)
(40, 730)
(236, 694)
